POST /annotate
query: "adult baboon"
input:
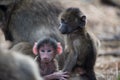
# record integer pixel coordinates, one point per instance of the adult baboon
(17, 66)
(79, 44)
(30, 20)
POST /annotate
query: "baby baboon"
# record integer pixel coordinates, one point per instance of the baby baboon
(15, 66)
(79, 44)
(46, 50)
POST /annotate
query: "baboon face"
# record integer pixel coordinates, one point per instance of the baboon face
(71, 20)
(46, 49)
(47, 53)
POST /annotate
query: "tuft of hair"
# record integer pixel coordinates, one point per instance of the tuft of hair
(70, 14)
(15, 66)
(73, 11)
(47, 40)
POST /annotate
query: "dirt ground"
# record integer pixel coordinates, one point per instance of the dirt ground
(107, 68)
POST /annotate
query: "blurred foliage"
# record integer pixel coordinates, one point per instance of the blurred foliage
(119, 77)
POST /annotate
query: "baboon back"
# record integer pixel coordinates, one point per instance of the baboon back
(32, 19)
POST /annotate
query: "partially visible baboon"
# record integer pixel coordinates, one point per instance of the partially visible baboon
(79, 44)
(46, 50)
(15, 66)
(29, 20)
(24, 48)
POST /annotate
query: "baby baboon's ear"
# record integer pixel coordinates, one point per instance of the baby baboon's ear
(59, 48)
(35, 48)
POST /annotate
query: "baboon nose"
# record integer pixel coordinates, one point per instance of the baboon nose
(63, 31)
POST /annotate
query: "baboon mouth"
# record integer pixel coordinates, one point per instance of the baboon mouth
(65, 32)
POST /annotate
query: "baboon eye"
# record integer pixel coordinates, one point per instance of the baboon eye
(42, 50)
(49, 50)
(62, 20)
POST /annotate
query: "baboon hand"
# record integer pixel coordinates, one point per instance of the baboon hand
(61, 75)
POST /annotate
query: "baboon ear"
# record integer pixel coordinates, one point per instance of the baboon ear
(35, 48)
(82, 21)
(59, 48)
(83, 18)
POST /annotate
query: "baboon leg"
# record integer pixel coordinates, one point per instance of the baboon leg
(88, 76)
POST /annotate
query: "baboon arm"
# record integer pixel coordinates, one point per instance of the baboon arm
(48, 77)
(70, 62)
(57, 76)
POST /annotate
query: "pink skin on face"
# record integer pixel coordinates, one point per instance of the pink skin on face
(47, 53)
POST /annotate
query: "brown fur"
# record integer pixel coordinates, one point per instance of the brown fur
(79, 44)
(24, 48)
(48, 69)
(29, 20)
(15, 66)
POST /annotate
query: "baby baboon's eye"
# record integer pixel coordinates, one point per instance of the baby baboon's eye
(49, 50)
(42, 50)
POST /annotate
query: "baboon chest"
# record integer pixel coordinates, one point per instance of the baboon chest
(79, 46)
